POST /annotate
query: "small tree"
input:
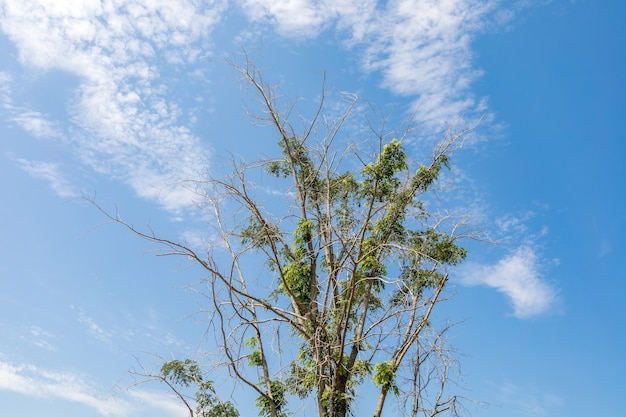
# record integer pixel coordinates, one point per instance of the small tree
(352, 267)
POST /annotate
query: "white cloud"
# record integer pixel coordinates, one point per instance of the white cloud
(32, 122)
(422, 47)
(127, 128)
(294, 18)
(5, 90)
(39, 335)
(37, 125)
(44, 345)
(517, 276)
(159, 401)
(38, 331)
(51, 173)
(94, 329)
(35, 382)
(516, 224)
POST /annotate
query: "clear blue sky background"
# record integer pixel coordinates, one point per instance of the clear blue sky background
(121, 98)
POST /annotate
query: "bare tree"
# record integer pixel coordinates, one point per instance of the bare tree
(334, 287)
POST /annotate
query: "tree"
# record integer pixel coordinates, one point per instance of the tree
(336, 288)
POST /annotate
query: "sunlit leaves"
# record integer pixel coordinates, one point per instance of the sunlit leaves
(384, 374)
(183, 373)
(425, 176)
(187, 373)
(380, 180)
(297, 273)
(275, 404)
(302, 379)
(258, 234)
(438, 247)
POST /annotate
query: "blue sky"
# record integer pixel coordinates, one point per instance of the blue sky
(122, 99)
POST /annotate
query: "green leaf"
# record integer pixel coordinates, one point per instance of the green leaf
(384, 374)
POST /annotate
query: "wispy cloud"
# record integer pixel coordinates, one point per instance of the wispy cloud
(38, 331)
(40, 338)
(299, 18)
(33, 381)
(422, 48)
(528, 400)
(33, 122)
(159, 401)
(37, 124)
(50, 172)
(94, 329)
(514, 223)
(127, 127)
(518, 276)
(36, 382)
(5, 90)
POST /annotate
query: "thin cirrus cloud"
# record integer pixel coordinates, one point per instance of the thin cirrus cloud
(50, 172)
(422, 48)
(29, 380)
(36, 124)
(40, 338)
(94, 329)
(33, 122)
(517, 275)
(36, 382)
(128, 130)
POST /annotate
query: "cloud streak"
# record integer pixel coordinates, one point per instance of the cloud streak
(39, 335)
(36, 124)
(517, 276)
(51, 173)
(422, 48)
(128, 129)
(32, 381)
(36, 382)
(94, 329)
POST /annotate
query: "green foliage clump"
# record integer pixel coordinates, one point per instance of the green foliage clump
(187, 373)
(437, 247)
(297, 273)
(384, 375)
(278, 400)
(182, 373)
(380, 180)
(258, 234)
(255, 358)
